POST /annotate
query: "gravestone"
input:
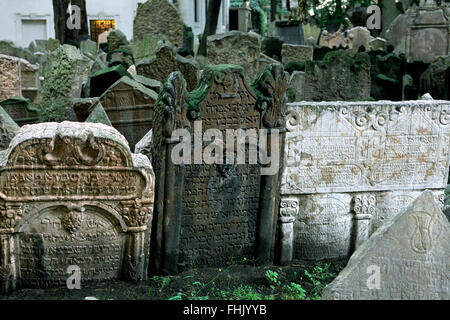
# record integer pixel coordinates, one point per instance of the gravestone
(234, 47)
(352, 166)
(63, 76)
(73, 195)
(289, 31)
(8, 129)
(98, 115)
(410, 254)
(359, 36)
(129, 106)
(217, 209)
(338, 77)
(18, 78)
(331, 40)
(20, 110)
(428, 34)
(159, 18)
(166, 61)
(297, 82)
(116, 38)
(81, 107)
(89, 48)
(397, 32)
(434, 80)
(296, 53)
(146, 47)
(10, 49)
(377, 44)
(105, 78)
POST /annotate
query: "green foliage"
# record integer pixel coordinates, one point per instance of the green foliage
(318, 277)
(293, 291)
(240, 293)
(272, 278)
(162, 282)
(294, 66)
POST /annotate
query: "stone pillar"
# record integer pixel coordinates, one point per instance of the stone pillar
(244, 17)
(288, 214)
(364, 208)
(8, 273)
(135, 262)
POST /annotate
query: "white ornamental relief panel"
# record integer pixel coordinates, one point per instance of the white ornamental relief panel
(366, 146)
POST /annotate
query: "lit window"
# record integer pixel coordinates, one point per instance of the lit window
(100, 26)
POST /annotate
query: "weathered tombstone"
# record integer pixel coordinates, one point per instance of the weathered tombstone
(73, 195)
(297, 82)
(103, 38)
(158, 17)
(296, 53)
(105, 78)
(290, 31)
(98, 115)
(146, 47)
(129, 106)
(397, 32)
(331, 40)
(145, 145)
(8, 129)
(166, 61)
(10, 49)
(338, 77)
(428, 34)
(359, 36)
(21, 110)
(52, 44)
(244, 16)
(116, 38)
(152, 84)
(89, 48)
(18, 78)
(408, 258)
(234, 47)
(377, 44)
(120, 56)
(64, 73)
(222, 208)
(351, 166)
(434, 79)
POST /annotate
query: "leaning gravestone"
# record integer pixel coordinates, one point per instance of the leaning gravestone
(64, 73)
(159, 18)
(434, 80)
(352, 166)
(296, 53)
(234, 47)
(8, 129)
(18, 78)
(218, 208)
(428, 34)
(164, 62)
(410, 254)
(338, 77)
(129, 106)
(72, 194)
(21, 110)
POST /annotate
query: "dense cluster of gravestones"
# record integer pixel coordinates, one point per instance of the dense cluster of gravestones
(223, 166)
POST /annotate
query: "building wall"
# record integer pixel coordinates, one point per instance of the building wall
(39, 13)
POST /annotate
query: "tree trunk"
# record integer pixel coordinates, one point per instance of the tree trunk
(212, 16)
(273, 9)
(70, 31)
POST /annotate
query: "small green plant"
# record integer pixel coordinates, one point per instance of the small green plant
(318, 278)
(162, 282)
(293, 291)
(272, 279)
(240, 293)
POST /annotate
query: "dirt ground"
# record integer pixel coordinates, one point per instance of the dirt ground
(242, 281)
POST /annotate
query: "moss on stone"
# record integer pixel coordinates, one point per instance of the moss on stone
(197, 95)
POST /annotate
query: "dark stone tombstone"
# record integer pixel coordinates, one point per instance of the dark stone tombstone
(208, 212)
(290, 31)
(21, 110)
(272, 47)
(103, 79)
(73, 195)
(129, 106)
